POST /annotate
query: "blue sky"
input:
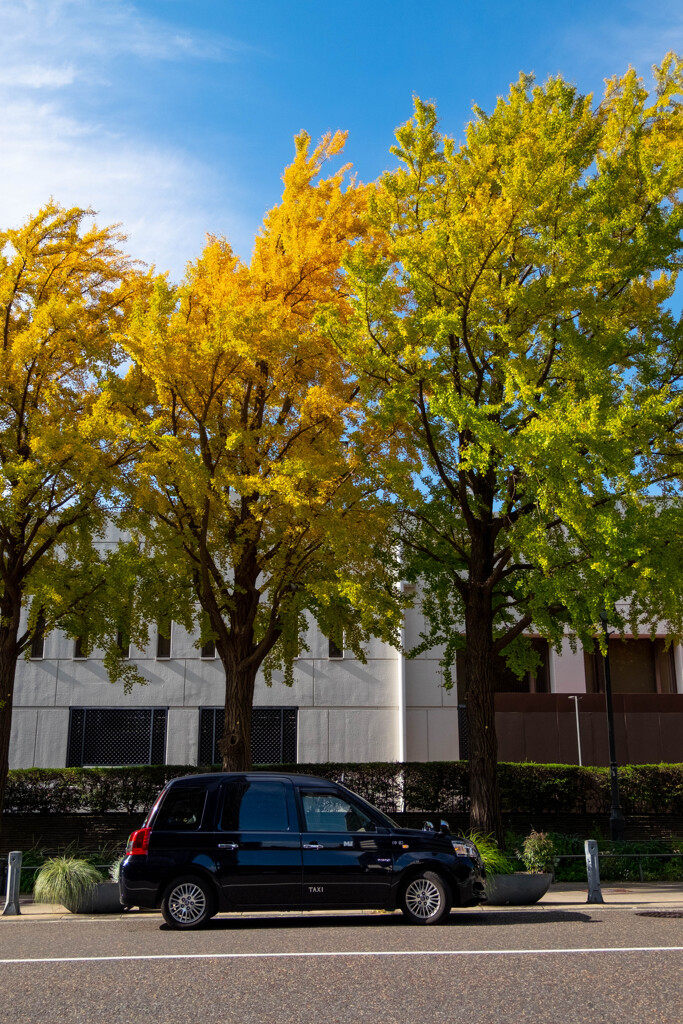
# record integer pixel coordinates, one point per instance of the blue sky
(176, 117)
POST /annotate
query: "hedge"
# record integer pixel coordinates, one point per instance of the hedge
(415, 786)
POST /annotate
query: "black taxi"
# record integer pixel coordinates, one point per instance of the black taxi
(270, 841)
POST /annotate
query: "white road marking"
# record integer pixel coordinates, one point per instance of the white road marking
(342, 953)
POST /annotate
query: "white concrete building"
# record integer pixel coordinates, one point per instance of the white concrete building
(66, 712)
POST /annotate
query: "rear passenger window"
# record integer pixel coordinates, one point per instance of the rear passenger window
(254, 807)
(181, 810)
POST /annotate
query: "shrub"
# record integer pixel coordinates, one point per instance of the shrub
(496, 861)
(431, 787)
(65, 880)
(538, 852)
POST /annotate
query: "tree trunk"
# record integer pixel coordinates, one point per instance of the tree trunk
(479, 656)
(8, 668)
(235, 744)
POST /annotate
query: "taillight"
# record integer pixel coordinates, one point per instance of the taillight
(138, 842)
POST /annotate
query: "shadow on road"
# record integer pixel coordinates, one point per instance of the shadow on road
(366, 922)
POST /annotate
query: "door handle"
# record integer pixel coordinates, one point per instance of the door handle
(313, 846)
(228, 846)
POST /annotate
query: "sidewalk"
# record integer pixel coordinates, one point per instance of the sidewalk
(624, 894)
(664, 895)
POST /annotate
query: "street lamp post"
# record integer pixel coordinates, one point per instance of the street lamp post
(616, 818)
(578, 726)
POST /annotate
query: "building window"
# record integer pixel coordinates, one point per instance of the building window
(164, 631)
(80, 647)
(636, 666)
(116, 736)
(334, 651)
(209, 649)
(123, 644)
(38, 641)
(273, 735)
(505, 680)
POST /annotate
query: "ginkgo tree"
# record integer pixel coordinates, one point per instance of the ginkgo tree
(517, 332)
(65, 287)
(256, 480)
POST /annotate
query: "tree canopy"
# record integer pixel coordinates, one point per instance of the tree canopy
(517, 331)
(256, 480)
(65, 287)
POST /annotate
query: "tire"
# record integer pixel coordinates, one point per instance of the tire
(426, 899)
(187, 903)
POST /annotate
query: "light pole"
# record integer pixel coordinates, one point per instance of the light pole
(616, 818)
(578, 726)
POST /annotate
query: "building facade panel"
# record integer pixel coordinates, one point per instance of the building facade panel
(313, 739)
(348, 683)
(85, 682)
(362, 734)
(22, 745)
(52, 728)
(36, 683)
(417, 742)
(182, 735)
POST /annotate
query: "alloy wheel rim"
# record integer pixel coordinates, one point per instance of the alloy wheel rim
(187, 903)
(423, 898)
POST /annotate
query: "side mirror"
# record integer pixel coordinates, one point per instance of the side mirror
(444, 827)
(427, 826)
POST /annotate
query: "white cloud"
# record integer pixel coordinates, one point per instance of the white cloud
(165, 198)
(639, 38)
(87, 29)
(37, 76)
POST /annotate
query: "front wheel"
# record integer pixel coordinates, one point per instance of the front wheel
(188, 903)
(426, 899)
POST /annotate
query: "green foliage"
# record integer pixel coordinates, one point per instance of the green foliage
(415, 786)
(619, 862)
(65, 880)
(515, 334)
(115, 868)
(538, 852)
(496, 861)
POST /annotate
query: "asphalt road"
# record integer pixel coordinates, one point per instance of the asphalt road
(556, 966)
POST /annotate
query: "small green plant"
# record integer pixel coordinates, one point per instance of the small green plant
(65, 880)
(496, 861)
(538, 852)
(115, 868)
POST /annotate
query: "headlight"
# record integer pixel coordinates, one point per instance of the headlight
(463, 849)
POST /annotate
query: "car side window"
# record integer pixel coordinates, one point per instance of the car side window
(182, 809)
(254, 806)
(326, 812)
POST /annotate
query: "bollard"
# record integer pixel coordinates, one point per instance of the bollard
(13, 883)
(593, 872)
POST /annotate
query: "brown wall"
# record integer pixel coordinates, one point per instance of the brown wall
(542, 727)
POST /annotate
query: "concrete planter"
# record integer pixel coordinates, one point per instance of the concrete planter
(102, 899)
(518, 889)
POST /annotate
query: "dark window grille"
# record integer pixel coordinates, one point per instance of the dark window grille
(116, 736)
(38, 642)
(273, 735)
(209, 649)
(463, 733)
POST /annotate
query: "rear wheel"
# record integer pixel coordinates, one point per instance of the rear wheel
(188, 903)
(426, 899)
